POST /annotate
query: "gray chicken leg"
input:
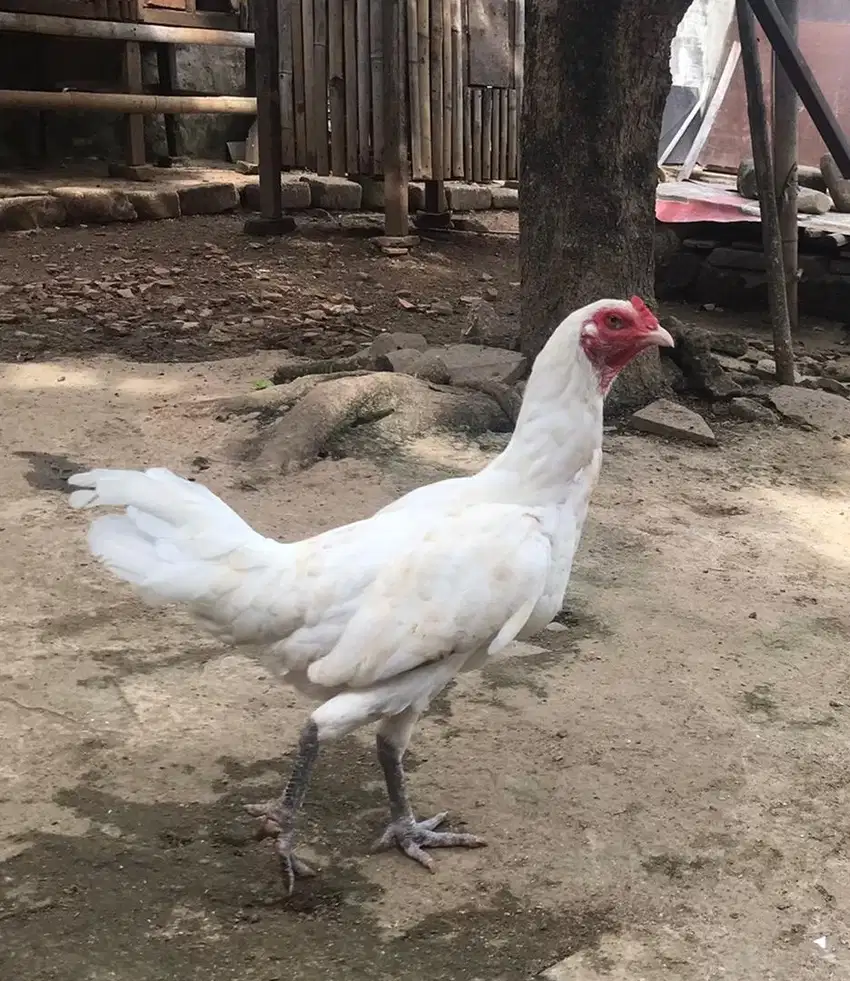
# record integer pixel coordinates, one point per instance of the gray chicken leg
(278, 816)
(404, 831)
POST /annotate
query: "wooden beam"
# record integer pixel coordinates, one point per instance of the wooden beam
(395, 160)
(134, 135)
(115, 31)
(127, 102)
(269, 134)
(785, 139)
(783, 352)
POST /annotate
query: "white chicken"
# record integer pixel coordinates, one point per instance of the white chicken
(373, 619)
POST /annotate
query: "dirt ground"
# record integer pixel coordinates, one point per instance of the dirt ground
(665, 790)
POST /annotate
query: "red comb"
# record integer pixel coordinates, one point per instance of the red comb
(646, 314)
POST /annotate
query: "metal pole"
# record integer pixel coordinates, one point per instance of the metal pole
(757, 111)
(785, 110)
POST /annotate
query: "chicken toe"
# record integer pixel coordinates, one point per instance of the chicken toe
(413, 837)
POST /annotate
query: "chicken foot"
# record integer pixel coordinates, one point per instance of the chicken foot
(404, 831)
(278, 816)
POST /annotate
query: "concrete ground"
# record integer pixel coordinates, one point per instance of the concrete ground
(664, 790)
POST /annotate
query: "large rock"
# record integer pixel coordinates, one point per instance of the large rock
(155, 204)
(807, 177)
(208, 199)
(819, 410)
(484, 325)
(473, 363)
(729, 343)
(334, 193)
(468, 197)
(427, 365)
(21, 214)
(766, 368)
(294, 195)
(700, 367)
(666, 418)
(399, 340)
(504, 198)
(811, 202)
(837, 185)
(95, 205)
(839, 369)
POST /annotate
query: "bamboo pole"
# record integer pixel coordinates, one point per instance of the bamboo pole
(423, 48)
(477, 137)
(376, 62)
(448, 83)
(783, 352)
(436, 95)
(125, 102)
(486, 133)
(336, 85)
(364, 88)
(311, 136)
(320, 85)
(349, 15)
(299, 86)
(413, 96)
(785, 108)
(457, 89)
(285, 80)
(115, 31)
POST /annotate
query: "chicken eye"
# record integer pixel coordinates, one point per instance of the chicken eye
(613, 321)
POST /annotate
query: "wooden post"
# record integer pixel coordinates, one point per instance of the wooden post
(782, 350)
(134, 145)
(272, 221)
(785, 107)
(395, 161)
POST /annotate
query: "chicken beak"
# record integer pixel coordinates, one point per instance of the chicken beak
(660, 337)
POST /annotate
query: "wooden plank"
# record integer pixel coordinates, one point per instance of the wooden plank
(477, 138)
(134, 134)
(286, 83)
(310, 136)
(299, 84)
(486, 132)
(489, 38)
(467, 133)
(395, 165)
(320, 85)
(349, 16)
(494, 134)
(423, 49)
(457, 88)
(376, 63)
(336, 85)
(413, 96)
(436, 28)
(448, 82)
(503, 134)
(364, 88)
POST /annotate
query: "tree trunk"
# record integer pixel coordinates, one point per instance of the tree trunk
(596, 80)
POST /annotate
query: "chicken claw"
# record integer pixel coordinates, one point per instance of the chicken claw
(413, 837)
(278, 823)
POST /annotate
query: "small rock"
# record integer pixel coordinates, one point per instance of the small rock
(441, 307)
(397, 341)
(406, 304)
(421, 364)
(700, 367)
(819, 410)
(825, 384)
(766, 368)
(811, 202)
(485, 326)
(751, 411)
(666, 418)
(473, 363)
(839, 369)
(729, 343)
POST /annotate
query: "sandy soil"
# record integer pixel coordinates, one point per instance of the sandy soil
(664, 790)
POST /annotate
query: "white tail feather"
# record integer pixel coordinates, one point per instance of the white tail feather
(177, 542)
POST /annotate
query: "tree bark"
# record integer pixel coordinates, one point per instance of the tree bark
(596, 80)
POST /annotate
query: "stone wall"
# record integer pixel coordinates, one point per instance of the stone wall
(724, 265)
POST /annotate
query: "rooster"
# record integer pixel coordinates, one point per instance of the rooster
(373, 619)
